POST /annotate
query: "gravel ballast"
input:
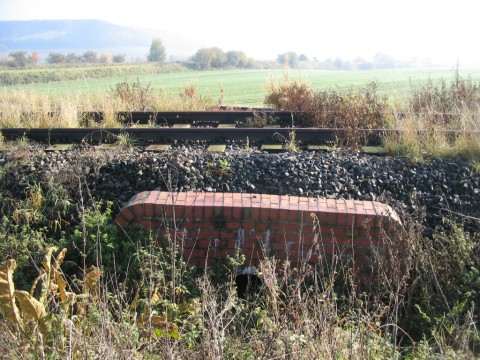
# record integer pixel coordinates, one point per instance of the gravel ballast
(431, 190)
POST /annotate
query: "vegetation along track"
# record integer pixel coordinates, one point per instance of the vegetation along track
(265, 127)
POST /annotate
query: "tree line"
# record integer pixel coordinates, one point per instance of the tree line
(88, 57)
(205, 58)
(21, 59)
(379, 61)
(216, 58)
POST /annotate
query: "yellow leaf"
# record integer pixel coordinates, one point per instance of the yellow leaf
(62, 286)
(91, 279)
(39, 278)
(59, 259)
(53, 287)
(54, 282)
(47, 286)
(31, 307)
(80, 309)
(156, 297)
(90, 289)
(7, 290)
(47, 260)
(58, 278)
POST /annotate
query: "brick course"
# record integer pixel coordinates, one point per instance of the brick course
(299, 229)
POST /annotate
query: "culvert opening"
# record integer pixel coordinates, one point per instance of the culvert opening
(247, 284)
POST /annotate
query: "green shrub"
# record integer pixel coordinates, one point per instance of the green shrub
(24, 244)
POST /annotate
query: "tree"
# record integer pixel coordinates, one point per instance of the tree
(303, 57)
(339, 64)
(202, 59)
(236, 59)
(56, 58)
(207, 58)
(19, 58)
(289, 58)
(73, 58)
(119, 58)
(383, 61)
(90, 57)
(157, 51)
(34, 58)
(105, 59)
(214, 57)
(362, 64)
(218, 57)
(328, 64)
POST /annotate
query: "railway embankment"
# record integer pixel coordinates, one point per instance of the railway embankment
(430, 191)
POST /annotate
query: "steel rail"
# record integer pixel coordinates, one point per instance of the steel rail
(215, 135)
(168, 135)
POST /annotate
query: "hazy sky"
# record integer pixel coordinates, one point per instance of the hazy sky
(445, 30)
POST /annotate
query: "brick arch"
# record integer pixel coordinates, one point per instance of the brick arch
(211, 225)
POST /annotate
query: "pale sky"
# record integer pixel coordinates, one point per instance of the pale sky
(446, 30)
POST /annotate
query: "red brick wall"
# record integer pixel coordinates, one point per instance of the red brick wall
(212, 225)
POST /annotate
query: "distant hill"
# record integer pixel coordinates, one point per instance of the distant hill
(45, 36)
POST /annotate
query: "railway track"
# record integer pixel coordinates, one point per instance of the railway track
(171, 135)
(217, 127)
(255, 126)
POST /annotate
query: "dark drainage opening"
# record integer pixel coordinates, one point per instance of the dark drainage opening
(247, 284)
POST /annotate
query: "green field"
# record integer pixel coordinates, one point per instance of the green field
(247, 87)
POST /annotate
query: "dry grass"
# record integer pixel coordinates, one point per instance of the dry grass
(419, 138)
(32, 109)
(439, 121)
(350, 111)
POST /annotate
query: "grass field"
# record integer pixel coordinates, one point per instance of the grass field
(247, 87)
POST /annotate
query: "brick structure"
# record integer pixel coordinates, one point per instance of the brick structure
(213, 225)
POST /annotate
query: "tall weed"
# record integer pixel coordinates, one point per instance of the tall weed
(440, 120)
(348, 111)
(133, 96)
(444, 102)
